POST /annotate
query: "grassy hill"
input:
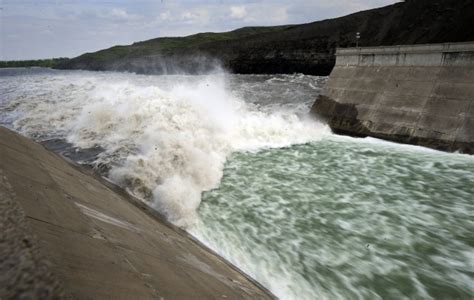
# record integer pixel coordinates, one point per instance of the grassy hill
(45, 63)
(168, 46)
(306, 48)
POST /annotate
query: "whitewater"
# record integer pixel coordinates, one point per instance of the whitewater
(165, 138)
(238, 161)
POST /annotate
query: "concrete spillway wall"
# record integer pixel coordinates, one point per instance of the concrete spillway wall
(417, 94)
(68, 234)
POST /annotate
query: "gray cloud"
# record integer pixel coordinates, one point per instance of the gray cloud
(43, 29)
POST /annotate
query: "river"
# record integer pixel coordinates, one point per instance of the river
(238, 162)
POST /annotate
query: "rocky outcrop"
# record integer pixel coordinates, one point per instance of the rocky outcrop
(421, 95)
(68, 234)
(307, 48)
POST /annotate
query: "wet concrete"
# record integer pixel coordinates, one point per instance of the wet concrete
(67, 233)
(415, 94)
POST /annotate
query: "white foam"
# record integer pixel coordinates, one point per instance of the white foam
(165, 138)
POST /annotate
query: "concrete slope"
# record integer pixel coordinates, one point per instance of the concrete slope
(68, 234)
(420, 95)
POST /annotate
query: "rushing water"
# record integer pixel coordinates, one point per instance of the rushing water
(239, 163)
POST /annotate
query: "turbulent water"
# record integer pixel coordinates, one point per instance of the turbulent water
(238, 162)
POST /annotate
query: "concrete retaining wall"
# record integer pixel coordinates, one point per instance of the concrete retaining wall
(417, 94)
(67, 234)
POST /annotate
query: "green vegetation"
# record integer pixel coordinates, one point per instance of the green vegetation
(167, 45)
(170, 43)
(45, 63)
(306, 48)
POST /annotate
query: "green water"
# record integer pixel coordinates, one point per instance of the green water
(347, 218)
(338, 218)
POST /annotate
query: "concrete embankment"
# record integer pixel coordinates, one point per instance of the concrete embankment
(420, 94)
(66, 233)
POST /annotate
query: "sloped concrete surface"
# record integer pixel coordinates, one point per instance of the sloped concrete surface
(66, 233)
(419, 94)
(24, 271)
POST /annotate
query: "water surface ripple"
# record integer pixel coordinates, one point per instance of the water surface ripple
(348, 219)
(240, 163)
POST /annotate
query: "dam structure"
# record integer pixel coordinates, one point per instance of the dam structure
(414, 94)
(69, 234)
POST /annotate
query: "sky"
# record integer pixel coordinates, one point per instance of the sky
(32, 29)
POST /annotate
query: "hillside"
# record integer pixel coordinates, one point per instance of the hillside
(45, 63)
(307, 48)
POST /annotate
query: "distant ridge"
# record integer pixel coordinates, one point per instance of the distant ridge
(307, 48)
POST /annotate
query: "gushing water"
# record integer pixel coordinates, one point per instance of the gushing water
(165, 138)
(238, 162)
(344, 218)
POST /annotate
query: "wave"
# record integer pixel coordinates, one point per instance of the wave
(165, 138)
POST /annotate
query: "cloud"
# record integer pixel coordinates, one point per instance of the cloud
(280, 15)
(197, 16)
(120, 14)
(238, 12)
(77, 26)
(165, 16)
(192, 17)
